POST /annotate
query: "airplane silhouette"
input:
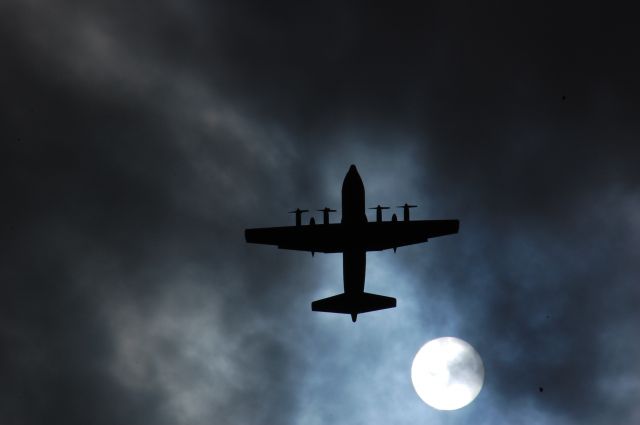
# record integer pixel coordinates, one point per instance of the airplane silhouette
(353, 237)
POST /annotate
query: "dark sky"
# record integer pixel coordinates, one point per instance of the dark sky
(139, 140)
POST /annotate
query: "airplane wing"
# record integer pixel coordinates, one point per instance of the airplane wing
(336, 237)
(313, 237)
(393, 234)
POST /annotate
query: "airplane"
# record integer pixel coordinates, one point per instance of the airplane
(353, 237)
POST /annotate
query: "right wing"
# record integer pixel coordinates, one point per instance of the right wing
(313, 237)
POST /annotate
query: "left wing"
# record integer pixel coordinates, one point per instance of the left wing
(393, 234)
(313, 237)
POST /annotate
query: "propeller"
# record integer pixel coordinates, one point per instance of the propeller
(406, 207)
(325, 214)
(298, 212)
(379, 209)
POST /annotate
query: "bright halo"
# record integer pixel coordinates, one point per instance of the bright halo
(447, 373)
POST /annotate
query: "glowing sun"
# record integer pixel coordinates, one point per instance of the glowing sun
(447, 373)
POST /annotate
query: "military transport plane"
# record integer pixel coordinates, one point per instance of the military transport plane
(353, 237)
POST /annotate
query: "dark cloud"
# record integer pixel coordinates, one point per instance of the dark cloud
(138, 142)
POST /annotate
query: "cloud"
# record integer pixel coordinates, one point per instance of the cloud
(140, 142)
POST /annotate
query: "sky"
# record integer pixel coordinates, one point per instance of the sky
(140, 139)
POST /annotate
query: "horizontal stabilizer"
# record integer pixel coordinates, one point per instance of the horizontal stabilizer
(362, 302)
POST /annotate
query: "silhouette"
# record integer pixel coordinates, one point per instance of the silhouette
(353, 237)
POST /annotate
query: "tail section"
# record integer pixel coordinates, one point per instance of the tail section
(353, 304)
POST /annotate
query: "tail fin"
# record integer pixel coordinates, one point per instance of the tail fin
(362, 302)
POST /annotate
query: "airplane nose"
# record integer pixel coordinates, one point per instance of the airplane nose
(352, 174)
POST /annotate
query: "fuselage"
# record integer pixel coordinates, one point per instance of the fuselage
(354, 257)
(353, 198)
